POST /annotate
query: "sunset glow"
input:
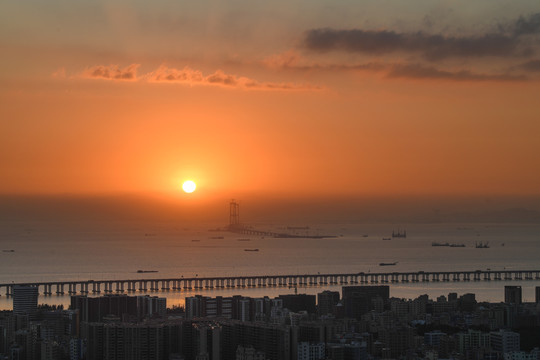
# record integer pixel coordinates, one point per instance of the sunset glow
(352, 99)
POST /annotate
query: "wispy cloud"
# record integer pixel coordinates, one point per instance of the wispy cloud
(172, 75)
(59, 73)
(410, 70)
(419, 71)
(533, 65)
(184, 76)
(111, 72)
(193, 77)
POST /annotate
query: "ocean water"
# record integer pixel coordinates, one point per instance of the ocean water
(102, 250)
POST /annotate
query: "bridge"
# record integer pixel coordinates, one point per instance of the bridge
(236, 227)
(227, 282)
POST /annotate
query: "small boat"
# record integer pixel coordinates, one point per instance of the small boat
(8, 250)
(196, 240)
(365, 235)
(251, 249)
(482, 245)
(388, 264)
(440, 244)
(146, 271)
(387, 238)
(457, 245)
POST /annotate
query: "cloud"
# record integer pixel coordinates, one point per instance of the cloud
(432, 47)
(193, 77)
(526, 25)
(166, 74)
(288, 59)
(505, 42)
(111, 72)
(423, 55)
(186, 76)
(60, 73)
(533, 65)
(418, 71)
(392, 69)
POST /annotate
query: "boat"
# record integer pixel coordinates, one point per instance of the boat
(387, 238)
(196, 240)
(8, 250)
(482, 245)
(447, 244)
(251, 249)
(399, 234)
(365, 235)
(388, 264)
(146, 271)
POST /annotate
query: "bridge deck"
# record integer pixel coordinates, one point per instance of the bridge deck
(178, 283)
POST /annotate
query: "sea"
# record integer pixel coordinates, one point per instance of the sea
(107, 250)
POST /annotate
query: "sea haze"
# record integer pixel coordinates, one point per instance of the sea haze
(72, 238)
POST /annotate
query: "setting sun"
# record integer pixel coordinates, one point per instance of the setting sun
(189, 186)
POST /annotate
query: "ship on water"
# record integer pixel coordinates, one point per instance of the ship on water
(447, 244)
(399, 234)
(388, 264)
(439, 244)
(482, 245)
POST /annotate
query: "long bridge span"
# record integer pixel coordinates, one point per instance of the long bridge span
(227, 282)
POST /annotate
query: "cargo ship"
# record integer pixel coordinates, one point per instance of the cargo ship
(388, 264)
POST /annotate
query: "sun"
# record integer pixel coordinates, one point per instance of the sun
(189, 186)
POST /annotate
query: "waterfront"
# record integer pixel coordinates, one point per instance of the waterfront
(116, 250)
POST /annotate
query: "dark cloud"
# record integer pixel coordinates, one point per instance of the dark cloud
(527, 25)
(533, 65)
(506, 41)
(415, 70)
(431, 46)
(418, 71)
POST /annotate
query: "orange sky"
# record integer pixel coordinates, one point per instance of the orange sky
(319, 98)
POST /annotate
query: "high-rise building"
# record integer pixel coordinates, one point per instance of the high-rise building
(25, 300)
(299, 302)
(130, 341)
(505, 341)
(249, 353)
(326, 301)
(512, 294)
(272, 340)
(359, 300)
(93, 309)
(311, 351)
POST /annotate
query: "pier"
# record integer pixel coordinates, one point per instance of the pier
(228, 282)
